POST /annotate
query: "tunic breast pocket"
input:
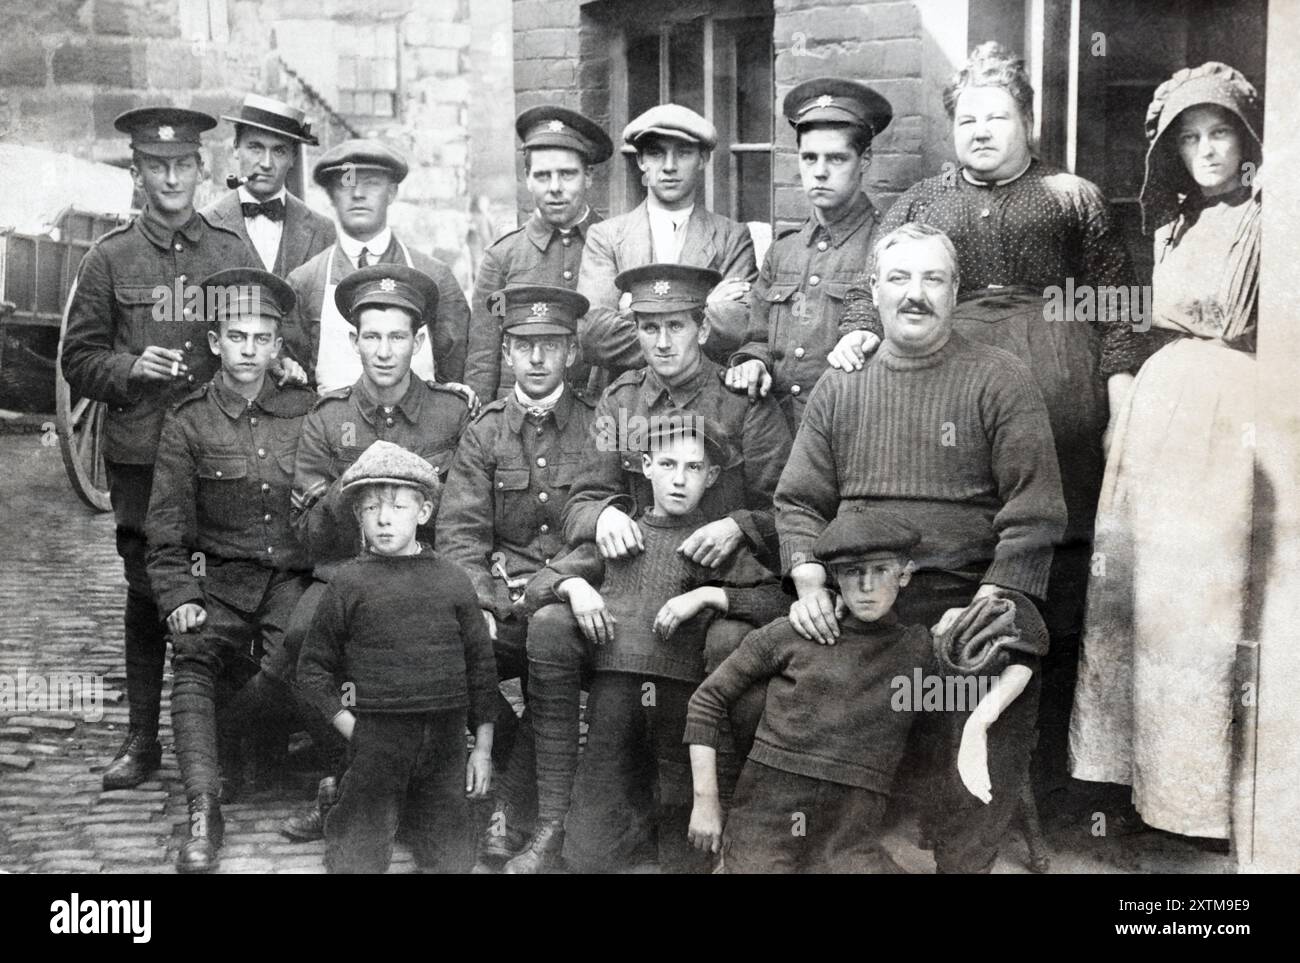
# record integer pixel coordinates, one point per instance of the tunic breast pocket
(511, 498)
(223, 491)
(784, 301)
(439, 456)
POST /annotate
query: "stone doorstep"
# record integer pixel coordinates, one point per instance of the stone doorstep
(42, 722)
(16, 733)
(72, 866)
(9, 761)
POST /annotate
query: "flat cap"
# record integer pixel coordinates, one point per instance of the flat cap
(664, 288)
(387, 285)
(672, 120)
(359, 154)
(267, 113)
(858, 532)
(537, 309)
(384, 463)
(551, 126)
(668, 426)
(834, 100)
(982, 639)
(245, 293)
(164, 131)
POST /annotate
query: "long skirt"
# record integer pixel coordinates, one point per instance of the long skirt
(1168, 589)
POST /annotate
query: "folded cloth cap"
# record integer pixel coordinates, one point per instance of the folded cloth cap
(267, 113)
(1166, 176)
(550, 126)
(834, 100)
(665, 288)
(245, 292)
(667, 426)
(164, 131)
(858, 532)
(359, 154)
(988, 630)
(534, 309)
(384, 463)
(387, 285)
(672, 120)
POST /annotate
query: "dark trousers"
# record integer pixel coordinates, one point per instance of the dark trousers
(144, 633)
(1067, 589)
(559, 660)
(966, 832)
(514, 751)
(411, 760)
(783, 822)
(283, 666)
(230, 643)
(632, 796)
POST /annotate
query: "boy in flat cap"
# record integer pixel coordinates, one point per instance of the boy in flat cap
(832, 734)
(398, 658)
(384, 305)
(361, 178)
(798, 302)
(116, 351)
(673, 145)
(561, 150)
(223, 559)
(284, 231)
(501, 514)
(643, 633)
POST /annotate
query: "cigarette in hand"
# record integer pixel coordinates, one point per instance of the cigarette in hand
(176, 368)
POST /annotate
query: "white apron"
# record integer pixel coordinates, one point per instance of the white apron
(337, 363)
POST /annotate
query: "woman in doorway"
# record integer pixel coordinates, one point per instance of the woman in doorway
(1167, 601)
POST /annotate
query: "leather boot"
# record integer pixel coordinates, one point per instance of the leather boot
(309, 826)
(501, 841)
(199, 852)
(135, 762)
(542, 854)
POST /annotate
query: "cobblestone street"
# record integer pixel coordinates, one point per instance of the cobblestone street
(61, 598)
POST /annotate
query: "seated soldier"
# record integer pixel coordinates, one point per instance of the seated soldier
(644, 633)
(223, 558)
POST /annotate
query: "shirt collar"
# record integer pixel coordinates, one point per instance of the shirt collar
(683, 395)
(245, 197)
(515, 411)
(162, 235)
(541, 233)
(975, 182)
(655, 209)
(232, 402)
(377, 245)
(859, 212)
(409, 404)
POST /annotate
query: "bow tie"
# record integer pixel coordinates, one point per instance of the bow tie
(272, 210)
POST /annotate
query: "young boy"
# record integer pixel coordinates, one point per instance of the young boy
(647, 624)
(398, 637)
(813, 790)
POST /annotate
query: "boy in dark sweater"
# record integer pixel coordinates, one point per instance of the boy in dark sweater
(399, 637)
(646, 625)
(813, 791)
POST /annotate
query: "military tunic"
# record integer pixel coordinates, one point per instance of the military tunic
(533, 254)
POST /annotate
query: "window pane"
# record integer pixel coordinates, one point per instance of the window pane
(686, 65)
(754, 186)
(754, 82)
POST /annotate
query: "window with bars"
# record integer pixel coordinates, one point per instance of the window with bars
(367, 72)
(718, 64)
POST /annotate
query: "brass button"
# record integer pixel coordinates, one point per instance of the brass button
(985, 213)
(501, 484)
(798, 352)
(266, 518)
(795, 389)
(568, 275)
(188, 345)
(270, 550)
(541, 462)
(388, 422)
(180, 246)
(252, 420)
(218, 472)
(547, 562)
(814, 280)
(265, 487)
(261, 453)
(190, 378)
(545, 528)
(543, 497)
(566, 241)
(821, 245)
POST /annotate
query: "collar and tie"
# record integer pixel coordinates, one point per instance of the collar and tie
(272, 210)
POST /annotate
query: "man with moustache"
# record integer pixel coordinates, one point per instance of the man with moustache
(284, 231)
(673, 146)
(953, 435)
(561, 149)
(362, 177)
(130, 344)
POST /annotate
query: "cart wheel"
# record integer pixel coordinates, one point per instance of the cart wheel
(80, 424)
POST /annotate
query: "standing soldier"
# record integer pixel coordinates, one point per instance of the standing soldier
(561, 149)
(283, 230)
(502, 509)
(797, 304)
(223, 558)
(361, 177)
(132, 343)
(673, 145)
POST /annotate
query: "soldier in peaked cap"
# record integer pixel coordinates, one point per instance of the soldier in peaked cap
(115, 351)
(383, 308)
(798, 301)
(224, 470)
(673, 145)
(561, 149)
(283, 230)
(361, 177)
(502, 514)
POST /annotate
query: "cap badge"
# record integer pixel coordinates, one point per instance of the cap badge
(388, 284)
(555, 126)
(825, 100)
(662, 287)
(166, 132)
(541, 309)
